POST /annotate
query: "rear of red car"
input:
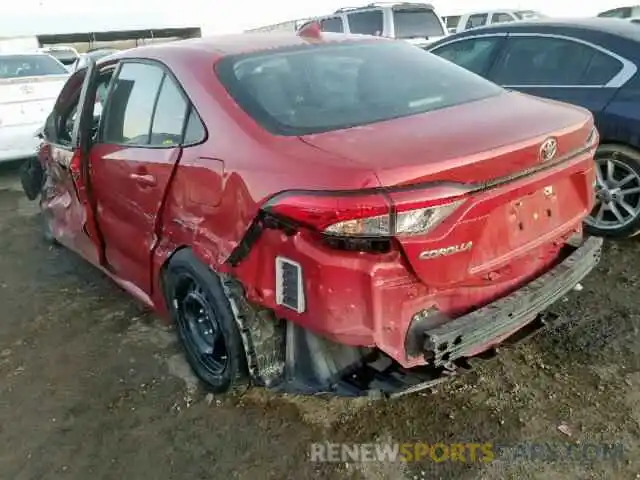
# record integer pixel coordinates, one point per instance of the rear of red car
(473, 230)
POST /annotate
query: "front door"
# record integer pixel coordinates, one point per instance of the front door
(132, 161)
(65, 201)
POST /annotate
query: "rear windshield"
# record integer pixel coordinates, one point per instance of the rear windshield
(319, 88)
(416, 23)
(17, 66)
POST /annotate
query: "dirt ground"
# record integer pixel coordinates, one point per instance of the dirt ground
(92, 386)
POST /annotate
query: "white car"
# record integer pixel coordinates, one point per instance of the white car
(29, 86)
(460, 23)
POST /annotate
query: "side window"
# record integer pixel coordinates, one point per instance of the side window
(452, 22)
(366, 23)
(477, 20)
(169, 116)
(501, 17)
(59, 127)
(195, 132)
(332, 25)
(475, 54)
(601, 70)
(550, 61)
(624, 12)
(56, 129)
(130, 106)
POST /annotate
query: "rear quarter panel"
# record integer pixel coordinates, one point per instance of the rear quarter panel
(619, 122)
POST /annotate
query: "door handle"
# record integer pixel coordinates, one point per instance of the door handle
(144, 179)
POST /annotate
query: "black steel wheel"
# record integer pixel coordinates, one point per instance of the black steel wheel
(205, 323)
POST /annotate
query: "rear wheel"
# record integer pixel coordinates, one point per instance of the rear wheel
(616, 213)
(205, 323)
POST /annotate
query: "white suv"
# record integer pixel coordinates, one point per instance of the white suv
(460, 23)
(417, 23)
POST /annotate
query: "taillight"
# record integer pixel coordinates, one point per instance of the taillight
(379, 214)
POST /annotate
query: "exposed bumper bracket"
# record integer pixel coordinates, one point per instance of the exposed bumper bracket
(457, 338)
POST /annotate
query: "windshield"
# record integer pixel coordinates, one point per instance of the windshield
(416, 23)
(17, 66)
(528, 14)
(328, 87)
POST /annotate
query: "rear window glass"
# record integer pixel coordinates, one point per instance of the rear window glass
(416, 23)
(366, 23)
(332, 25)
(17, 66)
(320, 88)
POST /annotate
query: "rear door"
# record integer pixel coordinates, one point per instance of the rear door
(562, 69)
(139, 144)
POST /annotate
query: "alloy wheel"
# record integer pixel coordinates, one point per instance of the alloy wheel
(617, 193)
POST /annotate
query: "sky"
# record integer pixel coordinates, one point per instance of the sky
(27, 17)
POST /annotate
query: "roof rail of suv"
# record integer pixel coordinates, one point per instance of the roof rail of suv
(385, 4)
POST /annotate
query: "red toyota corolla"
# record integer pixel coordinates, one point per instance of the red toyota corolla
(320, 213)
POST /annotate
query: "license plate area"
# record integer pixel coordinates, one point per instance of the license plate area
(534, 214)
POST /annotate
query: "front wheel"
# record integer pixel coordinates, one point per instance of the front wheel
(205, 323)
(616, 213)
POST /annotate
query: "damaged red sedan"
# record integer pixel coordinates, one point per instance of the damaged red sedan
(320, 213)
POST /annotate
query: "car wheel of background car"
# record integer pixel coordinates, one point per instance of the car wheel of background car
(205, 323)
(31, 178)
(616, 213)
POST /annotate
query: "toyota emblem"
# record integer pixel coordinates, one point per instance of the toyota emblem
(548, 149)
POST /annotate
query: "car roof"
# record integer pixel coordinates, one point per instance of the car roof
(494, 10)
(613, 26)
(225, 45)
(31, 53)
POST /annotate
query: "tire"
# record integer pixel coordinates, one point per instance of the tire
(205, 323)
(626, 164)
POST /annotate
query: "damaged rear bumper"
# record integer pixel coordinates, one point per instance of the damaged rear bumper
(470, 334)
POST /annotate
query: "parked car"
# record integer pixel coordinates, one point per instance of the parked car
(83, 59)
(621, 12)
(460, 23)
(29, 86)
(354, 217)
(64, 54)
(416, 23)
(590, 62)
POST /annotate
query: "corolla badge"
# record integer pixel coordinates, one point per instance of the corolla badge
(445, 251)
(548, 149)
(26, 89)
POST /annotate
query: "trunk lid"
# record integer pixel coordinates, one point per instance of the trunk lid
(470, 143)
(28, 100)
(492, 148)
